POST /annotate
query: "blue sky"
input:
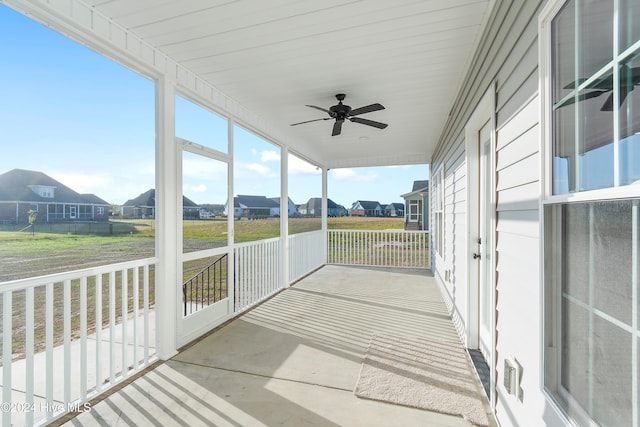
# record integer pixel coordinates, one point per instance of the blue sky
(89, 123)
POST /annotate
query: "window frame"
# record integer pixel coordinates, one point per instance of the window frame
(550, 349)
(437, 189)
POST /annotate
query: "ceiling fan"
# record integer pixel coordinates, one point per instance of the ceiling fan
(342, 112)
(629, 78)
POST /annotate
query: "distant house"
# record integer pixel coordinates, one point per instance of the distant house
(313, 207)
(291, 206)
(22, 191)
(253, 207)
(394, 209)
(144, 206)
(366, 208)
(417, 206)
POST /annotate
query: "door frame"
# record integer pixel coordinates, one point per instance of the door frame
(483, 113)
(196, 324)
(418, 214)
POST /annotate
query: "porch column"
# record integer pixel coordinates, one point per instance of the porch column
(284, 217)
(167, 221)
(324, 214)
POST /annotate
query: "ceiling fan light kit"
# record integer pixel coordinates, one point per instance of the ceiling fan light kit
(341, 112)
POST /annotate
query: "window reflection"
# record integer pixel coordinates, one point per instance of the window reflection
(630, 121)
(629, 23)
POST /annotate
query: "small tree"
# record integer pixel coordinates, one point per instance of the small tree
(33, 215)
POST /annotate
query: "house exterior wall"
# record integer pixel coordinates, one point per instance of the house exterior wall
(507, 56)
(18, 212)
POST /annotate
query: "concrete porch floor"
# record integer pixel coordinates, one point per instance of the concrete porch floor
(294, 360)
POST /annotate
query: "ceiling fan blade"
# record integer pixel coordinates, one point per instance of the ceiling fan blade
(369, 122)
(608, 104)
(366, 109)
(337, 127)
(318, 108)
(309, 121)
(624, 91)
(581, 97)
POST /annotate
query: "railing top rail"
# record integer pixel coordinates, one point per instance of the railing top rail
(305, 233)
(256, 242)
(20, 284)
(382, 231)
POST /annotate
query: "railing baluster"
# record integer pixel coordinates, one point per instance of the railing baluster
(83, 338)
(49, 348)
(29, 349)
(145, 296)
(125, 315)
(136, 307)
(99, 332)
(67, 340)
(7, 352)
(112, 326)
(394, 248)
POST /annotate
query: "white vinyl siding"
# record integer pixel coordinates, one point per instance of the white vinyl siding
(517, 248)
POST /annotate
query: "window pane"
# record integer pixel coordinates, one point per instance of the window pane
(590, 283)
(611, 358)
(576, 252)
(575, 352)
(630, 121)
(629, 25)
(611, 246)
(563, 52)
(583, 142)
(596, 35)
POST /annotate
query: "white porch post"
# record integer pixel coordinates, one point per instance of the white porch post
(167, 221)
(231, 224)
(324, 214)
(284, 216)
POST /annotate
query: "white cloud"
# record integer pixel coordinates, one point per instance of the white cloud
(83, 182)
(270, 156)
(352, 175)
(203, 168)
(259, 169)
(297, 166)
(341, 174)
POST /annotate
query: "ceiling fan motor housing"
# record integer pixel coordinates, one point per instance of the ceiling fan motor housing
(339, 111)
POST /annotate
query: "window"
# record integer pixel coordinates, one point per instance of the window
(438, 212)
(592, 238)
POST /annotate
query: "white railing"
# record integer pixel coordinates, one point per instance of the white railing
(257, 272)
(388, 248)
(67, 337)
(306, 253)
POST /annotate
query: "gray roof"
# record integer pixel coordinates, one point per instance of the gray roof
(254, 202)
(367, 204)
(396, 206)
(420, 185)
(15, 186)
(148, 198)
(315, 203)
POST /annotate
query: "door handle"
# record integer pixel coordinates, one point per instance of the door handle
(476, 256)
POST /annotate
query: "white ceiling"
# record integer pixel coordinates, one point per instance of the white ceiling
(275, 56)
